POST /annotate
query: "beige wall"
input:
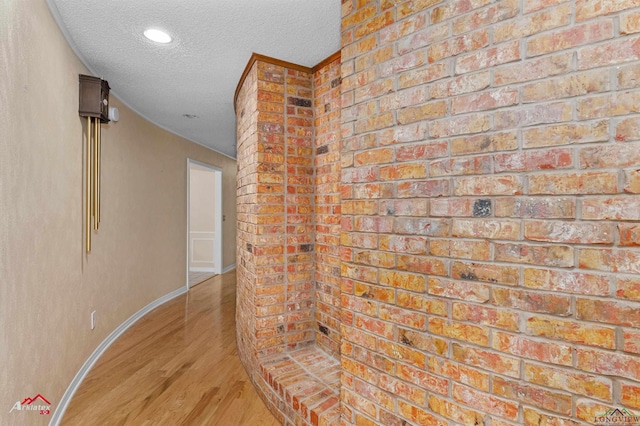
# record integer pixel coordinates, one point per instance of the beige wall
(48, 286)
(202, 222)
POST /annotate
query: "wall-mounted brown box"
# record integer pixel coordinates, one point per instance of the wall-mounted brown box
(94, 98)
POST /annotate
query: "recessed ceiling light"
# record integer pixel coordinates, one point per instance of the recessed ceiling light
(157, 35)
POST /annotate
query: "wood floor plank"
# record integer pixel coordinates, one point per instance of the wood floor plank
(176, 366)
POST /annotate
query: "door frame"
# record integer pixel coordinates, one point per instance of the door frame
(217, 244)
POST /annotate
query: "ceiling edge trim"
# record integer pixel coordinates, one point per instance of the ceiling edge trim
(268, 59)
(55, 13)
(335, 57)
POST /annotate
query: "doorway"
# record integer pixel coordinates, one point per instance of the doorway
(204, 222)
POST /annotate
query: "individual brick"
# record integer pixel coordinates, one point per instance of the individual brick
(404, 244)
(571, 331)
(558, 402)
(608, 105)
(473, 398)
(423, 265)
(618, 155)
(499, 229)
(533, 114)
(609, 312)
(485, 315)
(467, 83)
(566, 232)
(453, 411)
(565, 134)
(577, 35)
(489, 57)
(403, 280)
(630, 394)
(534, 23)
(604, 182)
(424, 75)
(628, 288)
(529, 301)
(550, 255)
(566, 281)
(486, 272)
(567, 86)
(467, 124)
(533, 417)
(525, 347)
(422, 303)
(484, 17)
(459, 331)
(476, 165)
(468, 291)
(630, 23)
(628, 129)
(476, 250)
(424, 188)
(428, 343)
(488, 185)
(421, 151)
(608, 363)
(625, 261)
(504, 141)
(587, 10)
(486, 359)
(533, 69)
(427, 111)
(419, 415)
(631, 341)
(548, 159)
(484, 101)
(615, 208)
(538, 207)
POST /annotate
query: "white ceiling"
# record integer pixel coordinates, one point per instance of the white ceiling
(198, 71)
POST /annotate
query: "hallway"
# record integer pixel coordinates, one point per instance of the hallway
(176, 366)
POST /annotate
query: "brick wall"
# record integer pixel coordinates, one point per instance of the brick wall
(327, 204)
(277, 318)
(246, 236)
(275, 204)
(490, 216)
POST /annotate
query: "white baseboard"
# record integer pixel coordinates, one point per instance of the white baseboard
(229, 268)
(97, 353)
(202, 270)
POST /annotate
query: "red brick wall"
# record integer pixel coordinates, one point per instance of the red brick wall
(327, 204)
(299, 321)
(275, 207)
(247, 199)
(490, 216)
(276, 237)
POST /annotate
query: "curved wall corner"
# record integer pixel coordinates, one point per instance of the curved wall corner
(277, 302)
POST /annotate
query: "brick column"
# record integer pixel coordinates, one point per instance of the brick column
(327, 198)
(275, 210)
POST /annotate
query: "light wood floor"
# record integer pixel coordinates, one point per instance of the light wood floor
(176, 366)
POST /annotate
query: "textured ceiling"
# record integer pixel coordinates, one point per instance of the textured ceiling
(198, 71)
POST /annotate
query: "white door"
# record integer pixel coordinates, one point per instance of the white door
(204, 221)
